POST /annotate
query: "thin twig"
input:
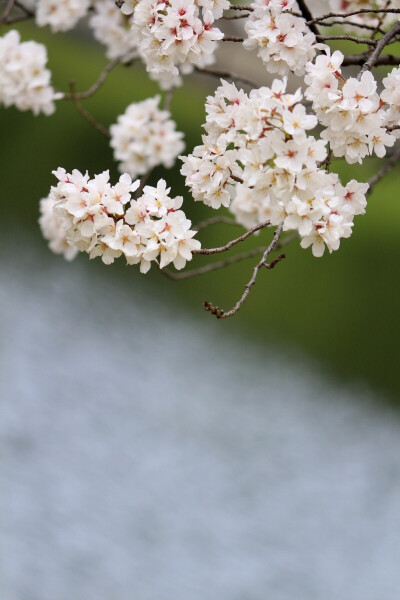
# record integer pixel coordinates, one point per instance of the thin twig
(353, 24)
(241, 7)
(393, 159)
(226, 75)
(215, 221)
(221, 314)
(349, 38)
(361, 11)
(232, 38)
(380, 21)
(221, 264)
(383, 42)
(232, 243)
(97, 85)
(359, 59)
(85, 114)
(235, 17)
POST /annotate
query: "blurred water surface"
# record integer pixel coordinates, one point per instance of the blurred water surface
(147, 456)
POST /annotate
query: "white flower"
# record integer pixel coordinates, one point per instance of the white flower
(61, 15)
(53, 231)
(111, 27)
(257, 159)
(24, 80)
(174, 35)
(351, 111)
(144, 137)
(103, 220)
(284, 42)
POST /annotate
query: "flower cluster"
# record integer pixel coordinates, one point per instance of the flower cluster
(145, 137)
(104, 220)
(258, 159)
(24, 79)
(391, 96)
(52, 230)
(283, 40)
(174, 35)
(351, 110)
(60, 15)
(111, 27)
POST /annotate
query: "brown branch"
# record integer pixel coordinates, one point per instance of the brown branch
(232, 243)
(232, 38)
(215, 221)
(235, 17)
(226, 75)
(221, 314)
(354, 24)
(382, 43)
(221, 264)
(359, 59)
(241, 7)
(349, 38)
(85, 114)
(97, 85)
(380, 21)
(305, 11)
(392, 161)
(361, 11)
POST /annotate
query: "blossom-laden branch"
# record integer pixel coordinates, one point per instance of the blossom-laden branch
(220, 313)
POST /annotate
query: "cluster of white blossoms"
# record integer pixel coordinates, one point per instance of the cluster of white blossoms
(60, 15)
(391, 96)
(112, 28)
(283, 40)
(351, 111)
(95, 217)
(258, 159)
(145, 137)
(24, 79)
(53, 232)
(172, 36)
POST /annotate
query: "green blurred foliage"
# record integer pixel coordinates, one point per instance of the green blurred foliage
(341, 309)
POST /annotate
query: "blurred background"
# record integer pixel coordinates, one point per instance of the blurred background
(152, 452)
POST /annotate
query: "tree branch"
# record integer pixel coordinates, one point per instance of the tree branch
(305, 11)
(97, 85)
(391, 162)
(232, 243)
(85, 114)
(226, 75)
(228, 261)
(361, 11)
(221, 314)
(382, 43)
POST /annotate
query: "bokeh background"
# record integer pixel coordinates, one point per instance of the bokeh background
(152, 452)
